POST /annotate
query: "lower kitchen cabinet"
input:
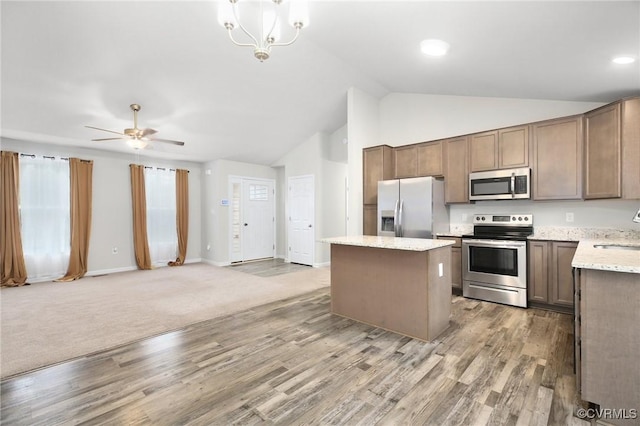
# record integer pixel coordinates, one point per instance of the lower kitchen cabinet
(608, 340)
(456, 263)
(550, 283)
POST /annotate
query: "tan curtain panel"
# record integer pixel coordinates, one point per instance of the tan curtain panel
(182, 214)
(14, 271)
(138, 198)
(81, 172)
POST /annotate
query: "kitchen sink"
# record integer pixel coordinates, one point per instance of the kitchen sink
(617, 246)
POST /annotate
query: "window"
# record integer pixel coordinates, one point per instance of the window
(258, 192)
(160, 191)
(45, 216)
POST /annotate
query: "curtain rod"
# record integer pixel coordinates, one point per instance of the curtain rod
(45, 156)
(162, 168)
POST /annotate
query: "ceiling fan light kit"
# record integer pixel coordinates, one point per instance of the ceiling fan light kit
(267, 21)
(136, 138)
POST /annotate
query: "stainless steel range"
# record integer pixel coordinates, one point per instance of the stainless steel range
(494, 258)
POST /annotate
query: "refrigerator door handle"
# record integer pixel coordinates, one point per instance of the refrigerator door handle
(395, 218)
(399, 234)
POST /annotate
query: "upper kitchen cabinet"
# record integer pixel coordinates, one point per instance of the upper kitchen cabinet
(500, 149)
(377, 165)
(483, 150)
(456, 171)
(602, 153)
(513, 147)
(422, 159)
(557, 159)
(631, 148)
(405, 161)
(430, 159)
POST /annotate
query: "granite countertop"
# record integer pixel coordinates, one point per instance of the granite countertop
(394, 243)
(561, 233)
(618, 260)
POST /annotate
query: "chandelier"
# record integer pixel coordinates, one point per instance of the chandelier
(264, 21)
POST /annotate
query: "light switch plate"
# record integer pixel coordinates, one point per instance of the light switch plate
(440, 269)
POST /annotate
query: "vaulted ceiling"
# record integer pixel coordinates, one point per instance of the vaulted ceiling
(67, 64)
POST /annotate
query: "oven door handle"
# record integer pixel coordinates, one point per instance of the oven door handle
(495, 244)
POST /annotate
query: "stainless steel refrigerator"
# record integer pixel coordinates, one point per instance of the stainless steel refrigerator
(412, 208)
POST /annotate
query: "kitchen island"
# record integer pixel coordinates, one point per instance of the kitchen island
(399, 284)
(606, 320)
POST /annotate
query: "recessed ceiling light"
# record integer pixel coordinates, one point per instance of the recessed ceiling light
(624, 60)
(433, 47)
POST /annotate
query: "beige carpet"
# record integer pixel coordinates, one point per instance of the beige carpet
(46, 323)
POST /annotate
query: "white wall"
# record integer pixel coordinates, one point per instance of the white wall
(215, 187)
(410, 118)
(362, 131)
(338, 148)
(334, 204)
(312, 158)
(112, 224)
(281, 213)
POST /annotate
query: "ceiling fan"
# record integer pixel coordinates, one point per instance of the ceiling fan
(137, 138)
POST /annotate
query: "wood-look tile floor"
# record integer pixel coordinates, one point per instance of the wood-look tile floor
(292, 362)
(268, 267)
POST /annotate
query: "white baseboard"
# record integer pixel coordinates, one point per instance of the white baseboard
(133, 268)
(214, 263)
(107, 271)
(110, 271)
(321, 265)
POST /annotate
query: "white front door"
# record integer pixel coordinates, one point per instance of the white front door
(252, 219)
(301, 219)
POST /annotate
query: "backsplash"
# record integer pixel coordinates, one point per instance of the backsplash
(611, 214)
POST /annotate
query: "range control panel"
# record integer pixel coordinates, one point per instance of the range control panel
(503, 219)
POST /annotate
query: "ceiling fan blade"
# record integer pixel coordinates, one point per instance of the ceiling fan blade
(107, 139)
(167, 141)
(105, 130)
(147, 132)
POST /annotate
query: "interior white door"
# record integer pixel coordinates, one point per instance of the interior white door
(258, 219)
(301, 219)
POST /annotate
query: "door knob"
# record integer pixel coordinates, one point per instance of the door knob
(246, 224)
(310, 226)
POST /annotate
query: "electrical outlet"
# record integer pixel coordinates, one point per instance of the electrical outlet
(636, 218)
(114, 250)
(569, 217)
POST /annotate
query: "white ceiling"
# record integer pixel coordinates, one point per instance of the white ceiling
(66, 64)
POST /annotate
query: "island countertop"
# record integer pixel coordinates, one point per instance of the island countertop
(393, 243)
(589, 257)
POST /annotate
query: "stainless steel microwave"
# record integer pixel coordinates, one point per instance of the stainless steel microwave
(508, 184)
